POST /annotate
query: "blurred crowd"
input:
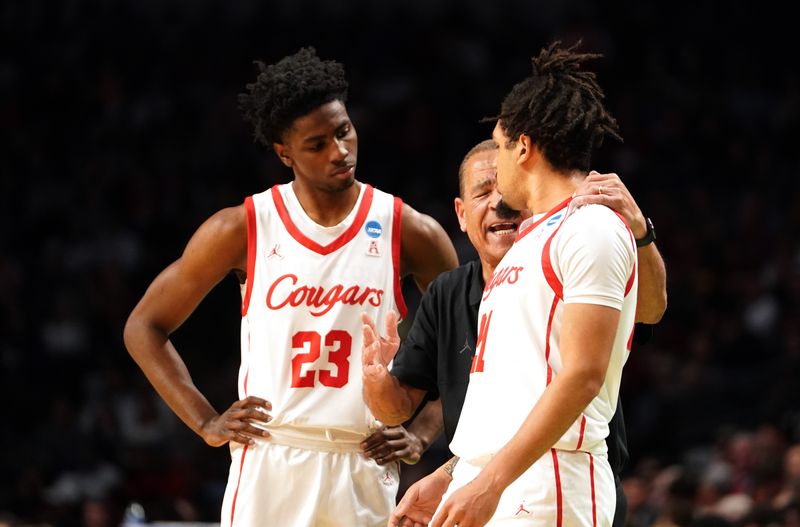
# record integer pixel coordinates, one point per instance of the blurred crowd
(119, 134)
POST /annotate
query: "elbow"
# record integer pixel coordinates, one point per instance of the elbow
(652, 311)
(131, 334)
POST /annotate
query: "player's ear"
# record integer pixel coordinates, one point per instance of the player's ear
(524, 149)
(460, 213)
(282, 152)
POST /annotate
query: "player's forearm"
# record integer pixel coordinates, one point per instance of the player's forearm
(558, 408)
(428, 424)
(651, 301)
(159, 361)
(389, 401)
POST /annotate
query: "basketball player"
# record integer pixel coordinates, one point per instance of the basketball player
(310, 256)
(555, 325)
(436, 356)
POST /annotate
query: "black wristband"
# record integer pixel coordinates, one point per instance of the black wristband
(650, 235)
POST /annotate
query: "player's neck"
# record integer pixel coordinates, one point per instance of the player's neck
(325, 207)
(551, 188)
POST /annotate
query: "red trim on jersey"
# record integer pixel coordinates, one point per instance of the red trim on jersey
(591, 479)
(580, 436)
(550, 318)
(310, 244)
(630, 339)
(547, 267)
(629, 285)
(247, 373)
(528, 228)
(397, 226)
(250, 212)
(238, 481)
(559, 510)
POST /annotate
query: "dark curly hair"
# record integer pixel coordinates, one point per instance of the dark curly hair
(288, 89)
(560, 107)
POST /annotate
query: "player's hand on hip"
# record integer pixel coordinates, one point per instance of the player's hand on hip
(608, 190)
(392, 444)
(379, 350)
(420, 501)
(237, 423)
(472, 505)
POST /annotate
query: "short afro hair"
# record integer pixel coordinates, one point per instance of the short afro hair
(560, 108)
(288, 89)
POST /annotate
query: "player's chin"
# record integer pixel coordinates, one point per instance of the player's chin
(342, 184)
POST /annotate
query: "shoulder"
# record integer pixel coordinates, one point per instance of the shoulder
(222, 238)
(594, 224)
(228, 222)
(418, 224)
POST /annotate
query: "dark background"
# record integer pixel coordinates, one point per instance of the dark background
(119, 135)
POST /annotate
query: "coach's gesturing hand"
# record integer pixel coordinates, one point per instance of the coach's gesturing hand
(237, 423)
(379, 350)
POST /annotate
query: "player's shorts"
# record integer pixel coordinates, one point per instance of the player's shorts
(311, 482)
(569, 489)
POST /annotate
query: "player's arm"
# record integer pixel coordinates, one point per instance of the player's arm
(421, 499)
(217, 247)
(587, 336)
(651, 301)
(425, 249)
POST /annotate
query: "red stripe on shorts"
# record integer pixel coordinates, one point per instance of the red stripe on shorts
(238, 481)
(594, 502)
(559, 512)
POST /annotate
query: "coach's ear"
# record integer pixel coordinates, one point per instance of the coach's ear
(462, 219)
(283, 153)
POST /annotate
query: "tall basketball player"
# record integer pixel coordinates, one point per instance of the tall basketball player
(554, 328)
(311, 256)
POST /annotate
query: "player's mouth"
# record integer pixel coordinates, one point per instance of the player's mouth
(506, 228)
(346, 171)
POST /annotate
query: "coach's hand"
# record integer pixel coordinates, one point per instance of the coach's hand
(379, 351)
(392, 444)
(236, 423)
(608, 190)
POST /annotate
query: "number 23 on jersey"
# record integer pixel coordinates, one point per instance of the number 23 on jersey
(338, 344)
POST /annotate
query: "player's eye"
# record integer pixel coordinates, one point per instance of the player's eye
(343, 131)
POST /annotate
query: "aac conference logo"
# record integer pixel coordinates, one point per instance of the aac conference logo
(373, 229)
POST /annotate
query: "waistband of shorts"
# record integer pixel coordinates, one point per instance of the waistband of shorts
(482, 461)
(324, 440)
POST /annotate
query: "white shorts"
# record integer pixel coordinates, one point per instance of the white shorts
(576, 491)
(307, 484)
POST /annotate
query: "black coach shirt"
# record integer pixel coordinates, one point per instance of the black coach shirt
(437, 353)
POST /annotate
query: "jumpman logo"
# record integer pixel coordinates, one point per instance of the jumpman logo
(522, 509)
(274, 251)
(466, 346)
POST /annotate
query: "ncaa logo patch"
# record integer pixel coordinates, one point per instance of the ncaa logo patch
(373, 229)
(554, 219)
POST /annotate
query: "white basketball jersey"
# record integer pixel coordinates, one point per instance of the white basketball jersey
(586, 256)
(302, 305)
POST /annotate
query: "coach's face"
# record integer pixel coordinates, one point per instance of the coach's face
(491, 235)
(321, 148)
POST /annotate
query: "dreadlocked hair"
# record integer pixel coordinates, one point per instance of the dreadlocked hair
(560, 108)
(288, 89)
